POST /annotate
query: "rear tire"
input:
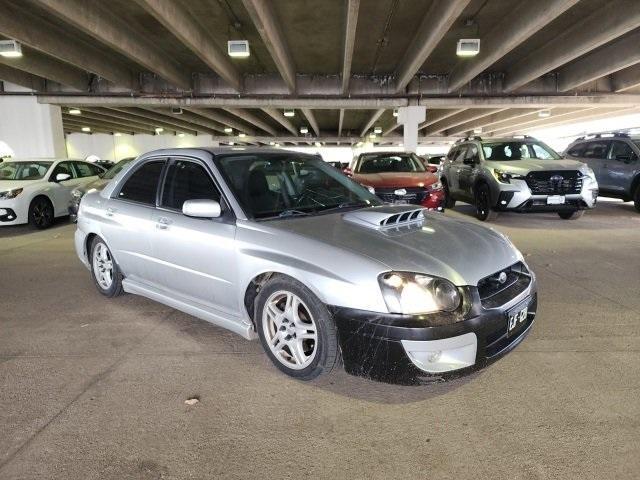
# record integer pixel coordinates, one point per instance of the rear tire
(104, 270)
(296, 329)
(449, 202)
(484, 210)
(41, 213)
(571, 215)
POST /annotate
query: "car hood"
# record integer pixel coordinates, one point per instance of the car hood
(11, 184)
(526, 166)
(396, 179)
(461, 251)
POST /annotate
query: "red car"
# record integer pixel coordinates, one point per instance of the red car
(398, 177)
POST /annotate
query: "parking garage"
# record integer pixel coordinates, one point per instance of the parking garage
(149, 385)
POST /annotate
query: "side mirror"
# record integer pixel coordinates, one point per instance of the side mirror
(201, 208)
(432, 169)
(61, 177)
(348, 172)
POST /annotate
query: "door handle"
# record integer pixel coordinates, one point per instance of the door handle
(110, 212)
(163, 223)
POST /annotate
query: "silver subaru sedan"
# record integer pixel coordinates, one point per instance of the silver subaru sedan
(280, 246)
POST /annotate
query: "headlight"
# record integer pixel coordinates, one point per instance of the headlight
(9, 194)
(505, 177)
(435, 186)
(586, 171)
(414, 293)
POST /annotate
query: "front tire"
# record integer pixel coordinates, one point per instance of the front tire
(571, 215)
(484, 210)
(296, 329)
(41, 213)
(104, 269)
(449, 201)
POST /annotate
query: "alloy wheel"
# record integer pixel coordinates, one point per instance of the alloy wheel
(103, 266)
(290, 330)
(41, 214)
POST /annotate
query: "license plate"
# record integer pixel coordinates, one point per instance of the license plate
(516, 318)
(400, 202)
(555, 200)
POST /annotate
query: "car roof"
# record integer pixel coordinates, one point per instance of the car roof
(215, 151)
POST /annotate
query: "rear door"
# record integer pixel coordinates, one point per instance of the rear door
(467, 173)
(196, 257)
(454, 172)
(60, 192)
(622, 162)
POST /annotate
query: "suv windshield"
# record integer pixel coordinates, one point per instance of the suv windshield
(517, 150)
(116, 169)
(389, 162)
(289, 184)
(24, 170)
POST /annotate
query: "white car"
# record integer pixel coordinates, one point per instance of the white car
(37, 191)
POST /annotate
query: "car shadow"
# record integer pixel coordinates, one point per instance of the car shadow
(9, 231)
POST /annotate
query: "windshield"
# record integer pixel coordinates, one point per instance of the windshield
(288, 184)
(518, 150)
(116, 169)
(637, 142)
(23, 170)
(389, 162)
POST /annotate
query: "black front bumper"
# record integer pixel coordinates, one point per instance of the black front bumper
(371, 342)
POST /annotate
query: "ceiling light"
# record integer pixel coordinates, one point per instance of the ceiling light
(181, 134)
(86, 129)
(277, 144)
(237, 148)
(238, 48)
(159, 130)
(242, 135)
(477, 130)
(272, 143)
(304, 130)
(468, 47)
(372, 135)
(289, 113)
(228, 130)
(318, 144)
(395, 112)
(377, 130)
(544, 113)
(231, 143)
(117, 134)
(74, 111)
(10, 49)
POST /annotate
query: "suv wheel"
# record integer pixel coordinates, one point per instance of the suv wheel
(41, 213)
(571, 215)
(104, 270)
(296, 330)
(636, 198)
(484, 210)
(449, 201)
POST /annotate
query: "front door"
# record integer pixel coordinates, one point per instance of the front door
(196, 256)
(454, 172)
(468, 171)
(621, 164)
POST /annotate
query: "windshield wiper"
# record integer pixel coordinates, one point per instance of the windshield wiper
(293, 213)
(346, 205)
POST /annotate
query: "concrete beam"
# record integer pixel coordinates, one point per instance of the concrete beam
(329, 138)
(75, 128)
(611, 58)
(179, 22)
(493, 119)
(44, 66)
(266, 22)
(165, 121)
(186, 120)
(223, 119)
(21, 78)
(311, 119)
(114, 127)
(129, 117)
(434, 26)
(516, 26)
(373, 119)
(96, 20)
(605, 24)
(281, 119)
(434, 116)
(460, 119)
(100, 117)
(351, 22)
(530, 118)
(626, 79)
(17, 23)
(251, 119)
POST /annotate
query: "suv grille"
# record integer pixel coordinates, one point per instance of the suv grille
(415, 195)
(498, 289)
(554, 182)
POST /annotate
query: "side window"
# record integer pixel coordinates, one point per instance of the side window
(187, 180)
(84, 169)
(621, 151)
(541, 153)
(63, 167)
(142, 185)
(460, 154)
(577, 150)
(452, 154)
(472, 152)
(596, 149)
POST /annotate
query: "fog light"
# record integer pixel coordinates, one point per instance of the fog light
(503, 202)
(435, 356)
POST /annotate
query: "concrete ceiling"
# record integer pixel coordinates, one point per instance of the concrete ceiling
(343, 65)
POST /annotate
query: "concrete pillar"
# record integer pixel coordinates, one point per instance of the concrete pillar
(31, 130)
(410, 118)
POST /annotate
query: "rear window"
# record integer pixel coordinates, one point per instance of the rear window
(390, 162)
(518, 150)
(597, 149)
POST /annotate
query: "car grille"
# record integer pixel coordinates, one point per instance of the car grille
(494, 292)
(415, 195)
(554, 182)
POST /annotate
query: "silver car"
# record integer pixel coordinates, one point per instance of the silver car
(281, 246)
(518, 174)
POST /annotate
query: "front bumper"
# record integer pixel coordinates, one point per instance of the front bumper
(399, 349)
(13, 212)
(517, 197)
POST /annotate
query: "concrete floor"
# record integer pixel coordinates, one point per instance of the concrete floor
(95, 388)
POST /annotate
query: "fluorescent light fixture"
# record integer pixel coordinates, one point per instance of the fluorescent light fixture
(75, 111)
(372, 135)
(272, 143)
(304, 130)
(318, 144)
(468, 47)
(289, 112)
(10, 49)
(242, 135)
(544, 113)
(228, 130)
(377, 130)
(477, 130)
(231, 143)
(395, 112)
(117, 134)
(238, 48)
(237, 148)
(159, 130)
(181, 134)
(86, 129)
(277, 144)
